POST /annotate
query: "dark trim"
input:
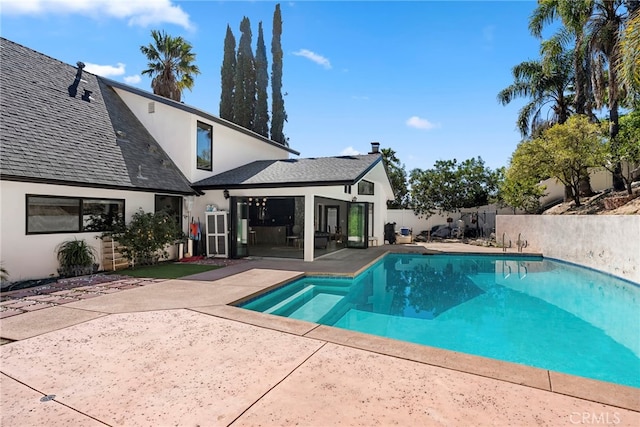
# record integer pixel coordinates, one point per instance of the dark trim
(273, 185)
(367, 170)
(201, 125)
(15, 178)
(281, 184)
(80, 214)
(193, 110)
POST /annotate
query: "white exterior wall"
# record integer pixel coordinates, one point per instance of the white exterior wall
(215, 197)
(33, 256)
(175, 130)
(609, 243)
(601, 179)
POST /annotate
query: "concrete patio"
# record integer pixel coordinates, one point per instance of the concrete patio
(175, 353)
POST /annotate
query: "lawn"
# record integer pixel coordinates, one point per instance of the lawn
(168, 270)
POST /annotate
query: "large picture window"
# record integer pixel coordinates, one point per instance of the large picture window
(57, 214)
(203, 146)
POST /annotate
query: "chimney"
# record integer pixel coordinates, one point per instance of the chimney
(375, 148)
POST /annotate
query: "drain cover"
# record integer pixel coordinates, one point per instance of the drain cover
(47, 398)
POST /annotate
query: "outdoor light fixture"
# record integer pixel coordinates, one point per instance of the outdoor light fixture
(225, 193)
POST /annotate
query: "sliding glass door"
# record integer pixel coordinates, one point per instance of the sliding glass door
(239, 219)
(358, 225)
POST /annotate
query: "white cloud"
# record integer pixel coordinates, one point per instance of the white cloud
(349, 151)
(105, 70)
(419, 123)
(132, 80)
(312, 56)
(142, 13)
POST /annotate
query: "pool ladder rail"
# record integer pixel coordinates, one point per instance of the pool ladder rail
(521, 243)
(523, 270)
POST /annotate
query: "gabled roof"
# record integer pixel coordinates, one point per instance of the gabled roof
(57, 129)
(197, 112)
(322, 171)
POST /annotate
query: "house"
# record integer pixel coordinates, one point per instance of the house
(73, 144)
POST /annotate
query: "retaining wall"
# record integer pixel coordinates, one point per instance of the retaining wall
(609, 243)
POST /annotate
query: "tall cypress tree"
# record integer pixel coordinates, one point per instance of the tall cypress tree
(244, 98)
(227, 73)
(261, 119)
(278, 114)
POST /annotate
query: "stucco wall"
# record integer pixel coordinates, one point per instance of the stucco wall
(33, 256)
(609, 243)
(175, 131)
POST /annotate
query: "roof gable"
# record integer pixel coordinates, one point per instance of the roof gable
(57, 128)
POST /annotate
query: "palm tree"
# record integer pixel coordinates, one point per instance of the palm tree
(605, 29)
(571, 35)
(547, 88)
(170, 65)
(629, 65)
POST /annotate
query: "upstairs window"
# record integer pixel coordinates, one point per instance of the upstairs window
(203, 147)
(365, 188)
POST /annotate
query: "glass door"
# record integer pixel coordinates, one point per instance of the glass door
(239, 219)
(358, 225)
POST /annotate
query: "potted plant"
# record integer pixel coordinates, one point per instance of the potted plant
(76, 258)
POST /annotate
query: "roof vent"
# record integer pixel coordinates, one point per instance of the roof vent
(151, 107)
(121, 134)
(140, 176)
(375, 147)
(87, 96)
(165, 163)
(73, 89)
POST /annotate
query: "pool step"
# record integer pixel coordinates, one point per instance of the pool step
(292, 298)
(315, 309)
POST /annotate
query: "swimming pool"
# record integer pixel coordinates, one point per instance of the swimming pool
(527, 310)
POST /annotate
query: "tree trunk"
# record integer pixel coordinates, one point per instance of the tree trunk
(585, 184)
(568, 193)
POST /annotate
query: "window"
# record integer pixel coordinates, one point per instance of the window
(347, 189)
(203, 147)
(172, 205)
(56, 214)
(365, 188)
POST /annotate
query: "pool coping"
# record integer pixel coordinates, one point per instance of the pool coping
(625, 397)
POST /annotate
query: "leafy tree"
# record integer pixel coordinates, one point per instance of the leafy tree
(170, 64)
(397, 177)
(546, 87)
(450, 186)
(261, 119)
(521, 187)
(244, 99)
(278, 114)
(228, 72)
(562, 152)
(626, 148)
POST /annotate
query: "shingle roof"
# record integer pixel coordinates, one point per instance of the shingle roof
(49, 135)
(343, 170)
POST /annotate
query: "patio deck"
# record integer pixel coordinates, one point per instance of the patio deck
(175, 353)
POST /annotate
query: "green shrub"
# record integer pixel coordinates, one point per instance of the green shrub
(76, 258)
(147, 236)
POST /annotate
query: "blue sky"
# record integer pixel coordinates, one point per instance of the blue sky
(420, 77)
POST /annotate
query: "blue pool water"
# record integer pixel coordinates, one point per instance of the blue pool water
(526, 310)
